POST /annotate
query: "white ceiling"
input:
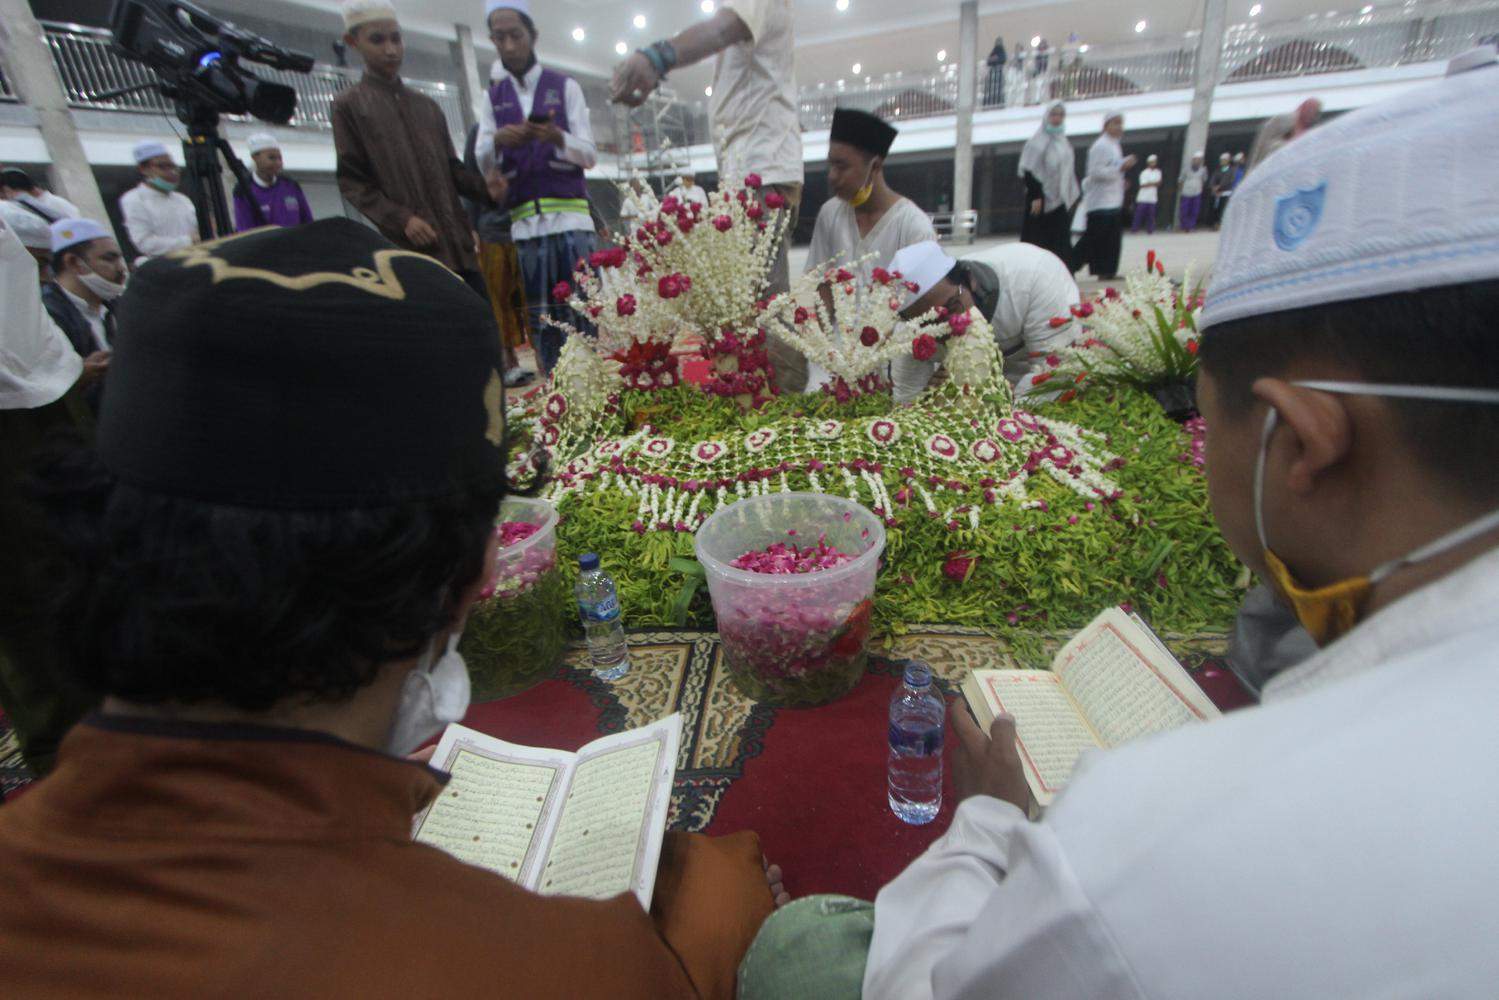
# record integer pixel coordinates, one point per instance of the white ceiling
(882, 35)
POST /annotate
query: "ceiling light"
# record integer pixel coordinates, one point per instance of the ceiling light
(1082, 48)
(578, 34)
(840, 83)
(1366, 8)
(706, 6)
(1139, 26)
(858, 68)
(1035, 41)
(620, 48)
(639, 20)
(708, 90)
(1255, 11)
(942, 55)
(841, 4)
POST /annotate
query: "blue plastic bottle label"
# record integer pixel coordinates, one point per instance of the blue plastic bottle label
(604, 610)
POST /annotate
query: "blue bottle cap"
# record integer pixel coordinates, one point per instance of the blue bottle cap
(588, 562)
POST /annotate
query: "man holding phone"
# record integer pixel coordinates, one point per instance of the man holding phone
(535, 126)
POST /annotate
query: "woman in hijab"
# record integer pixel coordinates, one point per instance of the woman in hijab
(1046, 166)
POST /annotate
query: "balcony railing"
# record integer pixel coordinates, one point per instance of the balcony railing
(1329, 43)
(88, 67)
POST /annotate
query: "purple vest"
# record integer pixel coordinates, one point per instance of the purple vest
(540, 180)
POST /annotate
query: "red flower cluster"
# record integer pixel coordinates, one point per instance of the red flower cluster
(924, 347)
(560, 291)
(723, 223)
(882, 276)
(869, 336)
(1057, 321)
(959, 566)
(958, 323)
(753, 211)
(752, 181)
(775, 200)
(672, 285)
(801, 315)
(625, 305)
(613, 257)
(647, 365)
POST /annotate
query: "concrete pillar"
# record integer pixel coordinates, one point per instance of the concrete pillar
(1205, 75)
(469, 90)
(28, 65)
(985, 193)
(968, 57)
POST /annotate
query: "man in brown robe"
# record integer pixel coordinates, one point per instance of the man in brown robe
(280, 530)
(396, 161)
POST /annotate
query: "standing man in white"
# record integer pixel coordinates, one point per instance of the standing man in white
(1147, 197)
(1103, 201)
(158, 217)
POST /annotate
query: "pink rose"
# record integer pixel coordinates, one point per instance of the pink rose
(723, 223)
(958, 323)
(669, 287)
(754, 211)
(670, 204)
(625, 305)
(752, 181)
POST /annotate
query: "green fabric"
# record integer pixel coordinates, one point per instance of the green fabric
(812, 948)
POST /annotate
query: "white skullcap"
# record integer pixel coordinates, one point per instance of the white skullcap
(1150, 158)
(1197, 155)
(923, 265)
(357, 12)
(29, 227)
(519, 6)
(262, 141)
(1111, 114)
(148, 150)
(1225, 156)
(1396, 196)
(71, 232)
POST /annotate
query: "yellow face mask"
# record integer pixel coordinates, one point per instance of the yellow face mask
(862, 195)
(1331, 611)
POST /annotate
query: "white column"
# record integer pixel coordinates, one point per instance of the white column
(28, 64)
(968, 55)
(469, 91)
(1205, 75)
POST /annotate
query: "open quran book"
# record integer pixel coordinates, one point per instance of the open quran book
(562, 824)
(1113, 682)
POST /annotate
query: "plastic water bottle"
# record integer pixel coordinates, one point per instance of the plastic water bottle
(917, 712)
(598, 607)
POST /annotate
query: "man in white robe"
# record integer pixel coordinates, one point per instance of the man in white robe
(1337, 840)
(158, 217)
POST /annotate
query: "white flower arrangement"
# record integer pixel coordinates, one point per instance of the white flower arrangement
(852, 332)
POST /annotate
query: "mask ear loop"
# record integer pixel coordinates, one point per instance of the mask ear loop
(1259, 479)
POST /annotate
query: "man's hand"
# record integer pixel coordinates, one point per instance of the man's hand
(1129, 161)
(419, 233)
(547, 131)
(986, 763)
(513, 136)
(1037, 205)
(94, 368)
(634, 79)
(498, 186)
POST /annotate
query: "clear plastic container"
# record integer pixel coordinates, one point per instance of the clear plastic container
(794, 639)
(518, 629)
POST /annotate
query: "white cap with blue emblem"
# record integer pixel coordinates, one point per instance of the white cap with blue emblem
(1394, 197)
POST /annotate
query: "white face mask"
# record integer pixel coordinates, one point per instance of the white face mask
(107, 290)
(432, 697)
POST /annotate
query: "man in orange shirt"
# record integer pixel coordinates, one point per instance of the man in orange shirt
(267, 559)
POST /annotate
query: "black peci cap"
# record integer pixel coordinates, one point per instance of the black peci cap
(862, 130)
(314, 367)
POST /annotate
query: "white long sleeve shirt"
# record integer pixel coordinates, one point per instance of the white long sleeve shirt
(158, 222)
(37, 362)
(1337, 841)
(1103, 183)
(577, 147)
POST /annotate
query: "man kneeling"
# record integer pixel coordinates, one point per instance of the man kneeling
(269, 558)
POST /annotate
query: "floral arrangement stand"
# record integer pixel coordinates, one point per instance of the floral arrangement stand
(517, 631)
(798, 636)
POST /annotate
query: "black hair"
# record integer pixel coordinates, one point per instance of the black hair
(170, 599)
(1433, 336)
(76, 250)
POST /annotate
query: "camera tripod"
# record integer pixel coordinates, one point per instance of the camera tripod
(200, 154)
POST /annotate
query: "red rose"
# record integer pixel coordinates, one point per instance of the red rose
(625, 305)
(1057, 321)
(752, 181)
(1053, 361)
(869, 336)
(560, 291)
(843, 275)
(753, 211)
(1111, 293)
(663, 236)
(670, 204)
(924, 347)
(958, 323)
(669, 287)
(881, 275)
(723, 223)
(775, 200)
(685, 224)
(959, 566)
(1192, 345)
(801, 315)
(594, 311)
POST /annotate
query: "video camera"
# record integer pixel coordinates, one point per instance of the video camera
(198, 58)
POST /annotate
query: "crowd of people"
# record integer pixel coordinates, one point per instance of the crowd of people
(250, 558)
